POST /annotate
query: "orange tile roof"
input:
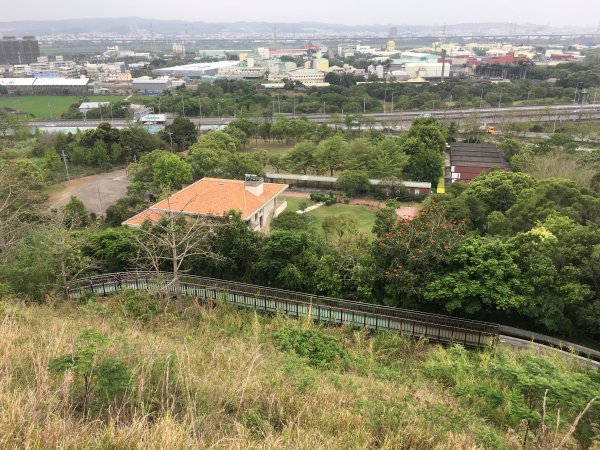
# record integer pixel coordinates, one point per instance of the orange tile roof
(211, 197)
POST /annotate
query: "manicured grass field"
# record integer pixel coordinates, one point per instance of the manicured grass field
(364, 216)
(272, 148)
(294, 203)
(50, 106)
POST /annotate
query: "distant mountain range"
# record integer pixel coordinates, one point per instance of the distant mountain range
(137, 25)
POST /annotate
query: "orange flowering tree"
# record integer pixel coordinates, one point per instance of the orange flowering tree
(408, 252)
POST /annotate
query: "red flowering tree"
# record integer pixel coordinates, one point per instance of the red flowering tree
(410, 251)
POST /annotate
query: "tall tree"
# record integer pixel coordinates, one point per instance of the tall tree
(169, 242)
(331, 154)
(182, 131)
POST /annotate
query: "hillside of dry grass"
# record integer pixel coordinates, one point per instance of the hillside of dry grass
(137, 372)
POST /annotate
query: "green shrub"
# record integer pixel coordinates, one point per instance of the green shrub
(139, 306)
(321, 350)
(317, 196)
(98, 382)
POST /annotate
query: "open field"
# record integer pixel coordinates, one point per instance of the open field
(50, 106)
(272, 148)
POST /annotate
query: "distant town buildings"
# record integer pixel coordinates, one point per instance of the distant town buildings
(114, 71)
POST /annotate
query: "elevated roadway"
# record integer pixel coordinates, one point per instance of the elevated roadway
(391, 119)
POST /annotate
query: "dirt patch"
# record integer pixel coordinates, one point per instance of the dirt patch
(97, 192)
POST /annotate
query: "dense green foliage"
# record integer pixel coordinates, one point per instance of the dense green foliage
(241, 98)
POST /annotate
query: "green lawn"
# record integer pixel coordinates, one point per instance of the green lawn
(50, 106)
(294, 203)
(364, 216)
(272, 148)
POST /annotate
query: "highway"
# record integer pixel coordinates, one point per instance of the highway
(393, 119)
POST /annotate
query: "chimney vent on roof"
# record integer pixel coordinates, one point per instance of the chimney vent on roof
(253, 184)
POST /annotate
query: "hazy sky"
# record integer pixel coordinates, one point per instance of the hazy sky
(544, 12)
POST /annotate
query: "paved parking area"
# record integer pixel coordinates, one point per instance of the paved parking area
(97, 192)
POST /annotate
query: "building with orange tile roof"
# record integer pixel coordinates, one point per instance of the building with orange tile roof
(258, 202)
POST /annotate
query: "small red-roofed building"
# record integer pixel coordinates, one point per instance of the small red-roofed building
(258, 202)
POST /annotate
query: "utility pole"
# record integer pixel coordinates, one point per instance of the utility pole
(500, 101)
(384, 99)
(294, 111)
(182, 106)
(50, 110)
(392, 110)
(575, 96)
(171, 139)
(100, 200)
(64, 158)
(364, 105)
(443, 65)
(481, 99)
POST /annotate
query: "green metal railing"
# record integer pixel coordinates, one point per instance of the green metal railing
(434, 327)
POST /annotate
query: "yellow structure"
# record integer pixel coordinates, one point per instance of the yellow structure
(390, 46)
(441, 187)
(321, 64)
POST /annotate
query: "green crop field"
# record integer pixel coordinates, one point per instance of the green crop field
(50, 106)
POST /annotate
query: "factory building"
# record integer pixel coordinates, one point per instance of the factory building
(46, 86)
(195, 70)
(146, 85)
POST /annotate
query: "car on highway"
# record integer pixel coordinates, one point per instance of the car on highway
(424, 115)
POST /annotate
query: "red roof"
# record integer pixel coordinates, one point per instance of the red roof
(211, 197)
